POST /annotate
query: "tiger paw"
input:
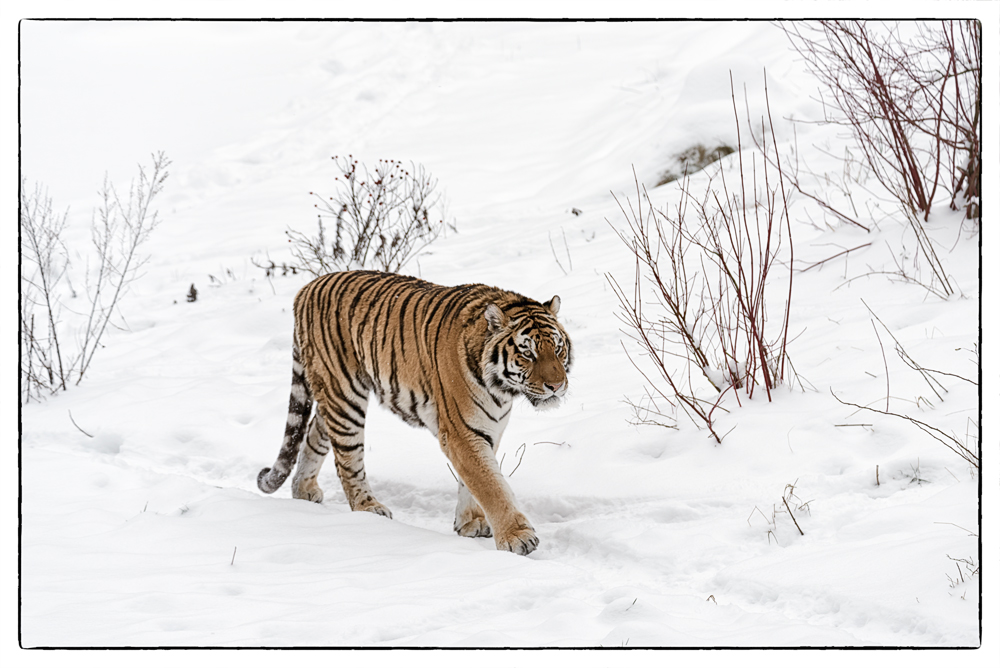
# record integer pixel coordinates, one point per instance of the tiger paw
(477, 526)
(312, 493)
(519, 540)
(375, 507)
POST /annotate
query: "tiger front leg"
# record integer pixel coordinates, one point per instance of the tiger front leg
(470, 520)
(477, 467)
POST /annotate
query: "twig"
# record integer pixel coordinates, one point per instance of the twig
(886, 364)
(792, 516)
(522, 450)
(971, 533)
(909, 361)
(233, 560)
(849, 250)
(844, 217)
(569, 258)
(791, 246)
(951, 443)
(756, 509)
(565, 273)
(76, 425)
(269, 269)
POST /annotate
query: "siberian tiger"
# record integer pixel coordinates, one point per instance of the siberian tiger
(450, 359)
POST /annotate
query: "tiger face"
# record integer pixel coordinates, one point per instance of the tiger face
(527, 353)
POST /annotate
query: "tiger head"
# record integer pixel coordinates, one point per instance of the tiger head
(527, 352)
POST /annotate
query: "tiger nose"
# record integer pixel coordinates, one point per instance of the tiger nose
(553, 386)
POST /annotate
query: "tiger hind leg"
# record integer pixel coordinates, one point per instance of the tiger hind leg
(347, 440)
(311, 457)
(470, 520)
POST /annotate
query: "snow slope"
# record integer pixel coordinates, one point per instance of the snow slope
(151, 532)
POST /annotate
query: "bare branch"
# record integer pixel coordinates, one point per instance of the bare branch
(949, 442)
(78, 426)
(801, 533)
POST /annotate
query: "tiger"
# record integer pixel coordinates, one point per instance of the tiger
(448, 359)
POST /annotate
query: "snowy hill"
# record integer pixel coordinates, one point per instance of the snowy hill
(151, 531)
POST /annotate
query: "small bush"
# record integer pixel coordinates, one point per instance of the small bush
(707, 265)
(910, 92)
(376, 219)
(49, 359)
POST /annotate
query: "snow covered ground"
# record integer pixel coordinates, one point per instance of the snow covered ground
(152, 531)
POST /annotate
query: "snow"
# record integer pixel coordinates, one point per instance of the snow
(151, 532)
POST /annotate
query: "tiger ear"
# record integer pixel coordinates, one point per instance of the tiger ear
(495, 318)
(553, 305)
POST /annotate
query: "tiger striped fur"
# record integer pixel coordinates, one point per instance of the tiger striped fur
(449, 359)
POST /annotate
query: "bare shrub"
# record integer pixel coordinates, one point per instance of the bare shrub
(378, 219)
(708, 278)
(788, 499)
(43, 265)
(55, 353)
(971, 568)
(911, 93)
